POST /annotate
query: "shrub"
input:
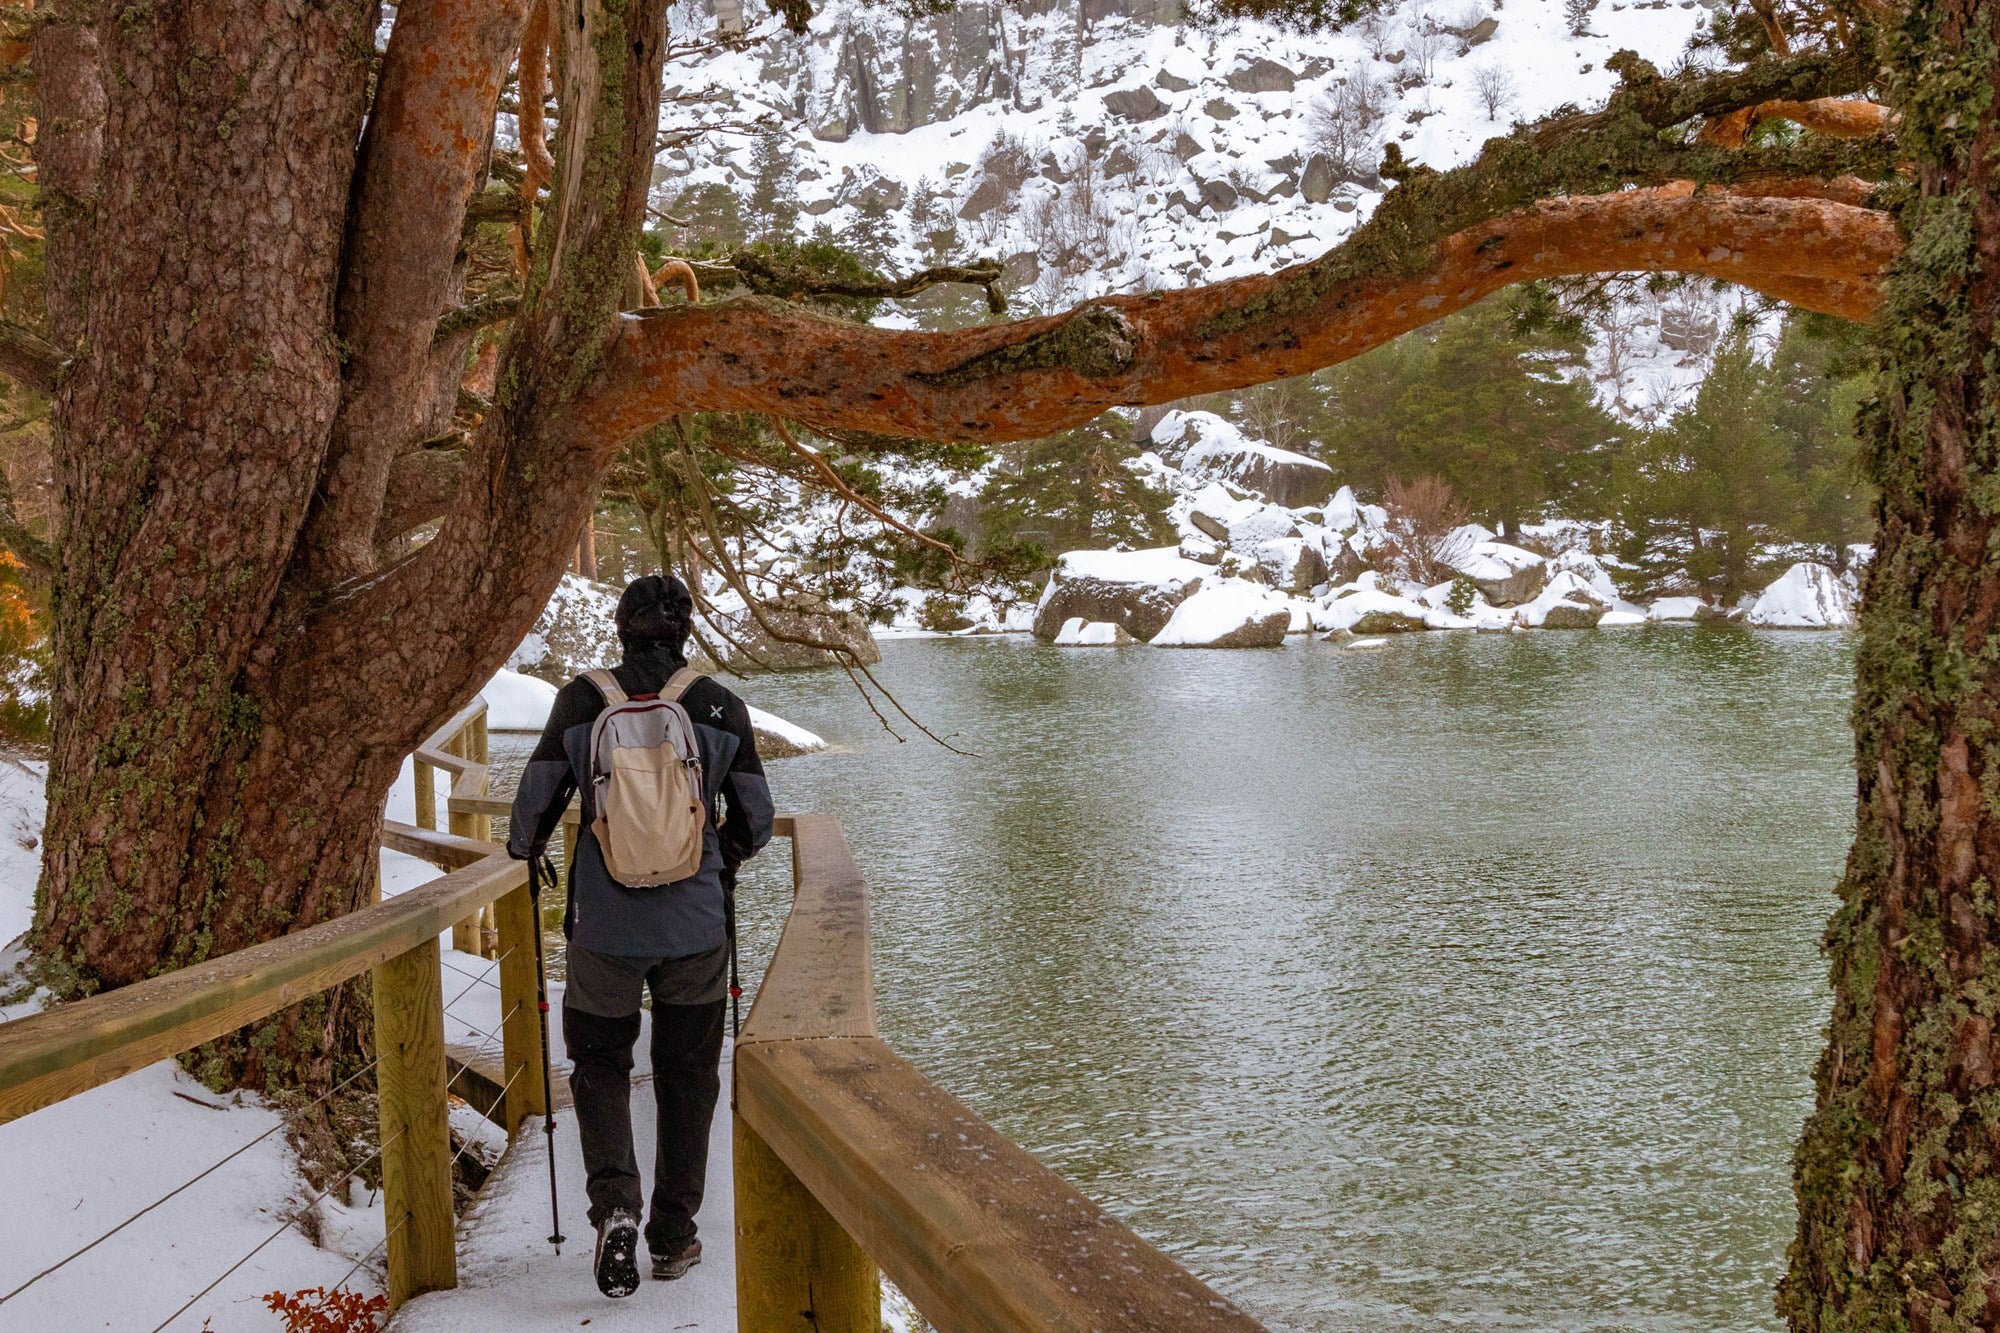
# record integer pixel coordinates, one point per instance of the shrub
(1345, 124)
(317, 1310)
(1423, 541)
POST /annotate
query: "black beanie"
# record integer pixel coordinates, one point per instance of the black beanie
(655, 609)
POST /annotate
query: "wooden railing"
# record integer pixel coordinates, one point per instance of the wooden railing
(847, 1157)
(49, 1056)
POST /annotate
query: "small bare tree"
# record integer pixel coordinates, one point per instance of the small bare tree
(1276, 412)
(1378, 34)
(1496, 89)
(1424, 538)
(1427, 44)
(1344, 124)
(1578, 14)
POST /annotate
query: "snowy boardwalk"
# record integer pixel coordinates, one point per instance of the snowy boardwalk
(509, 1277)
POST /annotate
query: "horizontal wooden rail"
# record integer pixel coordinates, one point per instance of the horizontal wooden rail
(497, 805)
(975, 1231)
(48, 1056)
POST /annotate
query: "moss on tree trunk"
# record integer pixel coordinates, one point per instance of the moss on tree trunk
(1898, 1171)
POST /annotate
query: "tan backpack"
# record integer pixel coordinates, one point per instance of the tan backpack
(645, 774)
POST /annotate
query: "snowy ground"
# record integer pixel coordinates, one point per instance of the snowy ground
(75, 1170)
(509, 1277)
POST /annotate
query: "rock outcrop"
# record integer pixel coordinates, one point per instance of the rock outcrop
(1136, 590)
(1806, 596)
(1227, 615)
(1506, 575)
(1202, 445)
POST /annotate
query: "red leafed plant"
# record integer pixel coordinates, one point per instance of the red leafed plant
(317, 1310)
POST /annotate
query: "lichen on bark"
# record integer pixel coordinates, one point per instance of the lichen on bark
(1898, 1170)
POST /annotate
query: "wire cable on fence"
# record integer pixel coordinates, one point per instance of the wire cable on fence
(476, 979)
(481, 977)
(287, 1226)
(290, 1221)
(387, 1236)
(319, 1101)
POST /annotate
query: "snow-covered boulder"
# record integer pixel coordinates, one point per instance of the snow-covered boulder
(1294, 565)
(1343, 511)
(517, 702)
(1616, 619)
(1506, 575)
(1212, 510)
(1200, 549)
(1228, 615)
(1080, 633)
(573, 634)
(1261, 524)
(757, 649)
(1208, 447)
(1587, 568)
(1806, 596)
(1135, 589)
(1372, 611)
(779, 739)
(1676, 608)
(1568, 602)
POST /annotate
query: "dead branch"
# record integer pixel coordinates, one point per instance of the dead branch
(833, 481)
(28, 358)
(490, 309)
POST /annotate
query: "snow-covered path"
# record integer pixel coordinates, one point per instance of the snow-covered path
(509, 1277)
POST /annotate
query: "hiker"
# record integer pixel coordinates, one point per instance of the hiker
(660, 923)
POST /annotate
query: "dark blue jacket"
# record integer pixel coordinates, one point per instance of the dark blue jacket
(669, 920)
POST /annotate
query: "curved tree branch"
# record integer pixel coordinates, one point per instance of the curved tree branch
(1837, 117)
(1034, 377)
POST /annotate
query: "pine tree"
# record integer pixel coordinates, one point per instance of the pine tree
(774, 204)
(1715, 485)
(932, 221)
(1578, 14)
(1495, 408)
(871, 237)
(1075, 490)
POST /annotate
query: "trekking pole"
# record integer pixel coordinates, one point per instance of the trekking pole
(729, 923)
(537, 867)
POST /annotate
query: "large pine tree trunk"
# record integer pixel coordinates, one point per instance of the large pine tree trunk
(1898, 1173)
(251, 285)
(186, 448)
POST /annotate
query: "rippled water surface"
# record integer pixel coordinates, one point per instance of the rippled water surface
(1472, 981)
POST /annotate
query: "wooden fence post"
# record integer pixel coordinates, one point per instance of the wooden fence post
(427, 806)
(416, 1136)
(520, 1026)
(464, 934)
(795, 1267)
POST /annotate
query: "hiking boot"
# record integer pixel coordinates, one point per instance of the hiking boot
(618, 1254)
(667, 1267)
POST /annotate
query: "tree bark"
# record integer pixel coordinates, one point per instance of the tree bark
(1898, 1171)
(186, 446)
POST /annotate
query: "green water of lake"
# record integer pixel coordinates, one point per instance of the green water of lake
(1470, 982)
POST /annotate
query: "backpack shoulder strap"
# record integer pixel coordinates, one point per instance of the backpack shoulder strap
(679, 684)
(607, 685)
